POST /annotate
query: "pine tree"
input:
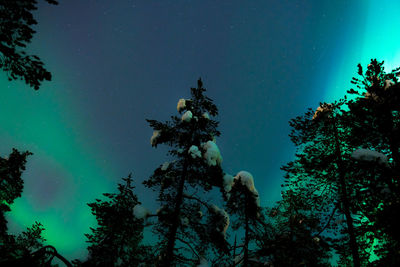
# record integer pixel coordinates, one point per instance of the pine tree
(292, 235)
(117, 239)
(375, 127)
(321, 170)
(185, 234)
(243, 202)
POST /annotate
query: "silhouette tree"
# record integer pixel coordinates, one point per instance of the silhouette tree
(292, 236)
(26, 249)
(321, 170)
(116, 240)
(243, 202)
(185, 234)
(16, 21)
(375, 127)
(11, 183)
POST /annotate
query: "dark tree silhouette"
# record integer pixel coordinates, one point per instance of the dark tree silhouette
(16, 21)
(321, 170)
(116, 240)
(243, 203)
(375, 116)
(27, 248)
(11, 183)
(292, 236)
(185, 234)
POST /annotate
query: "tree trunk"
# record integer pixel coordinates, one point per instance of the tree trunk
(344, 198)
(166, 262)
(246, 234)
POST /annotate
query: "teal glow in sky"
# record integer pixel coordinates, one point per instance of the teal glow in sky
(114, 65)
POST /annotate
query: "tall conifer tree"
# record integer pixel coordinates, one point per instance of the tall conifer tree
(184, 229)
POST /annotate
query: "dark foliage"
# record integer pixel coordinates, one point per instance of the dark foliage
(16, 21)
(116, 240)
(11, 183)
(292, 236)
(26, 249)
(243, 205)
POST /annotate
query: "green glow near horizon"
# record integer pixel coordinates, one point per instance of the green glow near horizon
(44, 123)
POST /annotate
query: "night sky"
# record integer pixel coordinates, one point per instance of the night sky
(116, 63)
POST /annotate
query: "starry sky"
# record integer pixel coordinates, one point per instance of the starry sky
(116, 63)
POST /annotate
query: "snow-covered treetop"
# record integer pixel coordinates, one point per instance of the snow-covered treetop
(140, 212)
(363, 154)
(246, 179)
(212, 154)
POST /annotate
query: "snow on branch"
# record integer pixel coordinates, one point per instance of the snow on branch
(187, 116)
(323, 109)
(154, 137)
(212, 154)
(205, 115)
(194, 152)
(165, 166)
(140, 212)
(223, 222)
(363, 154)
(388, 83)
(181, 104)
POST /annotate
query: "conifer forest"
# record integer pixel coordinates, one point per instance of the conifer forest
(339, 199)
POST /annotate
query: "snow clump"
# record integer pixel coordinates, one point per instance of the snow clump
(155, 136)
(194, 152)
(140, 212)
(203, 263)
(205, 115)
(363, 154)
(223, 223)
(388, 83)
(323, 109)
(181, 104)
(212, 154)
(228, 182)
(165, 166)
(187, 116)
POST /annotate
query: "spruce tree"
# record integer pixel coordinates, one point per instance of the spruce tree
(321, 170)
(117, 239)
(375, 117)
(244, 204)
(291, 234)
(185, 232)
